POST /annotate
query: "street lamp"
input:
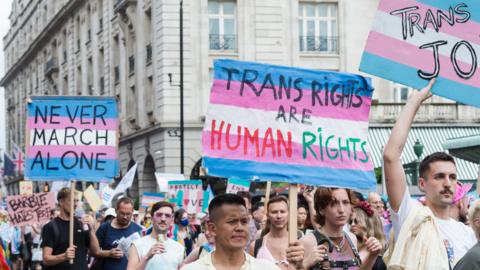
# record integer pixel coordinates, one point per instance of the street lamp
(181, 87)
(418, 150)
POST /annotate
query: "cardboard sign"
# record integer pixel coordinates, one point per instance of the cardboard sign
(72, 138)
(31, 209)
(187, 194)
(236, 185)
(92, 198)
(414, 41)
(288, 124)
(26, 187)
(149, 198)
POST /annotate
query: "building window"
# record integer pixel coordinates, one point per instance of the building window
(221, 22)
(131, 64)
(318, 27)
(401, 92)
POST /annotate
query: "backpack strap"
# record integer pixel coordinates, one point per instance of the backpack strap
(321, 238)
(258, 245)
(354, 249)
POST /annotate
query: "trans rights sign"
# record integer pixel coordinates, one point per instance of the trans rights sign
(72, 138)
(288, 124)
(414, 41)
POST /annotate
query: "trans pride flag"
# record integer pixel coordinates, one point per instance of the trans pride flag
(288, 124)
(72, 138)
(412, 41)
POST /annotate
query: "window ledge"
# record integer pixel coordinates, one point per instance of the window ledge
(222, 53)
(320, 55)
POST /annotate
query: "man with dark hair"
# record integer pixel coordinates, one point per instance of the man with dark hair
(156, 251)
(258, 213)
(55, 239)
(229, 225)
(252, 228)
(439, 241)
(115, 237)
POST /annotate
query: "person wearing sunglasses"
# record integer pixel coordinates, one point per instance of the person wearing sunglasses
(156, 251)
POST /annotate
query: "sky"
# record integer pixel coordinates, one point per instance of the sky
(5, 7)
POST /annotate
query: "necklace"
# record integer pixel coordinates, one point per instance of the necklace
(340, 246)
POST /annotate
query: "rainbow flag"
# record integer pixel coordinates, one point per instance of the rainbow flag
(412, 41)
(288, 124)
(72, 138)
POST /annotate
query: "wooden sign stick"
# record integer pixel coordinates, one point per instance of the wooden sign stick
(292, 212)
(72, 210)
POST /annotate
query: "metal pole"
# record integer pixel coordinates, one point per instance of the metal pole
(181, 88)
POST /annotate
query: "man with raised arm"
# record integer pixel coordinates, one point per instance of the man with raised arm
(425, 237)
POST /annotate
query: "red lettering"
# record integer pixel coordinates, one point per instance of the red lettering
(214, 133)
(227, 137)
(253, 138)
(268, 142)
(281, 141)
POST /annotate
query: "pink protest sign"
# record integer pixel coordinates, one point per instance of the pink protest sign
(30, 209)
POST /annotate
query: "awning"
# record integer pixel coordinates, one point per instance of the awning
(467, 148)
(433, 138)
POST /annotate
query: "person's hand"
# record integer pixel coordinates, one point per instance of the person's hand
(423, 94)
(155, 249)
(308, 195)
(116, 253)
(70, 253)
(319, 254)
(89, 220)
(374, 247)
(295, 253)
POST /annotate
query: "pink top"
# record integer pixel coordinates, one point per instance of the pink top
(264, 253)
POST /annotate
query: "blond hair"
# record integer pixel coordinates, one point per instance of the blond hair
(473, 212)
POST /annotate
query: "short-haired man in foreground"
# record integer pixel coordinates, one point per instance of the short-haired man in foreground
(229, 224)
(425, 237)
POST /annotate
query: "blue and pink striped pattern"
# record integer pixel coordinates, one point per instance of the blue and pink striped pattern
(72, 138)
(393, 48)
(288, 124)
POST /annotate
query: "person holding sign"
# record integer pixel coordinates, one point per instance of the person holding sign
(441, 240)
(229, 224)
(331, 247)
(55, 239)
(156, 251)
(273, 245)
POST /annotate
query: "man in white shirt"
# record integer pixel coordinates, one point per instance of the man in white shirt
(229, 220)
(438, 178)
(156, 251)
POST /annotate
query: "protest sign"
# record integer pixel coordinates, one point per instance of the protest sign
(31, 209)
(236, 185)
(163, 178)
(72, 138)
(149, 198)
(288, 124)
(107, 195)
(26, 187)
(92, 198)
(126, 181)
(187, 194)
(412, 41)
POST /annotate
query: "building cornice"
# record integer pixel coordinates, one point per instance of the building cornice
(159, 127)
(42, 39)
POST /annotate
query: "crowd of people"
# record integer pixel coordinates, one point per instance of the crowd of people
(337, 228)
